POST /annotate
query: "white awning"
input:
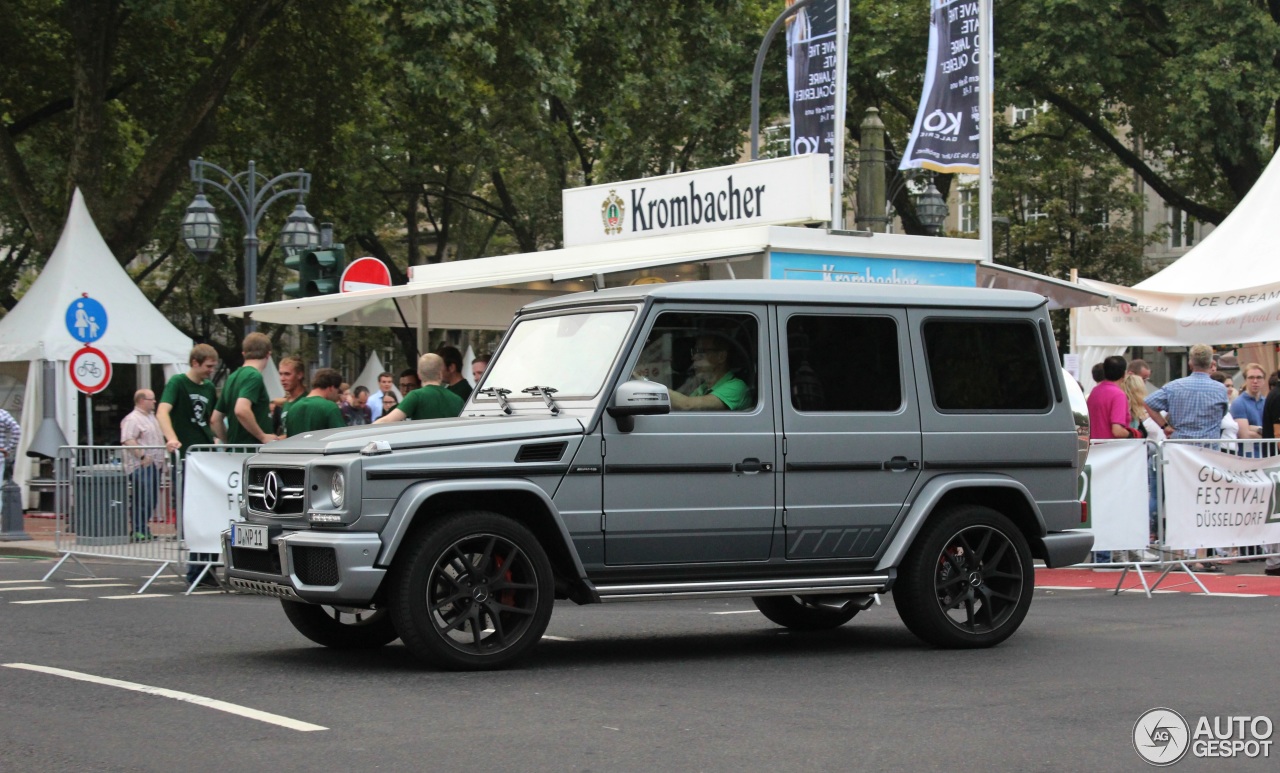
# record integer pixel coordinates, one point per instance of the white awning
(1060, 293)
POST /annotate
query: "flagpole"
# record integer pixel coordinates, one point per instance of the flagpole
(986, 108)
(842, 87)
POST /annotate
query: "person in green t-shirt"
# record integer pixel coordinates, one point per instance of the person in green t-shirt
(293, 380)
(719, 388)
(243, 410)
(319, 409)
(187, 402)
(429, 401)
(452, 378)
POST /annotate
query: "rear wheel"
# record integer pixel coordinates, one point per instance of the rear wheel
(807, 613)
(967, 581)
(475, 591)
(340, 627)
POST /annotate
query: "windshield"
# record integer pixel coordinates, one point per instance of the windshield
(571, 354)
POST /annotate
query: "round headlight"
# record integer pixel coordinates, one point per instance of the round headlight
(337, 488)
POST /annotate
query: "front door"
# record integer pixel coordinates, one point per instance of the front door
(851, 429)
(697, 485)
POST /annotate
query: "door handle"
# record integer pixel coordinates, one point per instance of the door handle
(752, 466)
(901, 464)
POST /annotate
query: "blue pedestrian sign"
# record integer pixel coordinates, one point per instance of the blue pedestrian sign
(86, 319)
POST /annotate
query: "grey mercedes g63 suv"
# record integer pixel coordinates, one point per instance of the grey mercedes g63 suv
(804, 444)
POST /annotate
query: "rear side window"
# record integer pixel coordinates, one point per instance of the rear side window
(980, 365)
(844, 364)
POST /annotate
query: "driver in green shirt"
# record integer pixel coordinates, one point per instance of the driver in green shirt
(718, 387)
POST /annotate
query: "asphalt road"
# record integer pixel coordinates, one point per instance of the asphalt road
(686, 686)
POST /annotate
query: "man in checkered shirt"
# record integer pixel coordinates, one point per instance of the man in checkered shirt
(10, 434)
(1195, 404)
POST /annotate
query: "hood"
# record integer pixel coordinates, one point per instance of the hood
(424, 434)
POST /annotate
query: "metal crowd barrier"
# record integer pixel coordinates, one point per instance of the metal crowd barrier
(1158, 554)
(109, 506)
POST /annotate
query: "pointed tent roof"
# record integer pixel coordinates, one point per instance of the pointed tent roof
(83, 264)
(1241, 252)
(368, 377)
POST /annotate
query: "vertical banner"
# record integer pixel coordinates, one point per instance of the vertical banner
(1114, 485)
(1215, 500)
(210, 498)
(945, 137)
(811, 77)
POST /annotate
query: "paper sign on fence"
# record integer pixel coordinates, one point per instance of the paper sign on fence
(1114, 485)
(1214, 499)
(210, 498)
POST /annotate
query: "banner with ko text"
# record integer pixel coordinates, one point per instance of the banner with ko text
(945, 136)
(812, 76)
(1113, 484)
(210, 498)
(1214, 499)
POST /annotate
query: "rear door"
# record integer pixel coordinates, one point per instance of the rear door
(851, 429)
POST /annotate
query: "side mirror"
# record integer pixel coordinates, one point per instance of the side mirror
(638, 398)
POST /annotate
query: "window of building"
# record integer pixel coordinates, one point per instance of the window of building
(978, 365)
(970, 216)
(844, 363)
(1182, 227)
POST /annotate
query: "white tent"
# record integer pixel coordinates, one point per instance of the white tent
(1225, 290)
(36, 328)
(368, 377)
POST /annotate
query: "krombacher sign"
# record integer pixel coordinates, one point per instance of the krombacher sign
(780, 191)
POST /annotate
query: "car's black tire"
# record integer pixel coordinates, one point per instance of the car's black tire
(805, 613)
(341, 628)
(967, 580)
(473, 591)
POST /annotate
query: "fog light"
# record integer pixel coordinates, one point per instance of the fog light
(337, 488)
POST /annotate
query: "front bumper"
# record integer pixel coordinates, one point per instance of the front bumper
(318, 567)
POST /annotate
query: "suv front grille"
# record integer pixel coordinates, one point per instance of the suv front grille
(277, 491)
(315, 565)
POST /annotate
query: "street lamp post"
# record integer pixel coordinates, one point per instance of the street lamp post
(252, 193)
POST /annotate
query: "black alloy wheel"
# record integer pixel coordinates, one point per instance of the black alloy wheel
(341, 628)
(967, 581)
(474, 592)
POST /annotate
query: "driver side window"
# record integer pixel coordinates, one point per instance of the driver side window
(708, 362)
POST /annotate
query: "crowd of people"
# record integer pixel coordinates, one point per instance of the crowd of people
(1204, 405)
(190, 411)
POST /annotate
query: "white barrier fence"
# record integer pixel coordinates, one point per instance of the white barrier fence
(169, 512)
(1157, 504)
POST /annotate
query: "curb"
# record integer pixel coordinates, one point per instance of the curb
(33, 548)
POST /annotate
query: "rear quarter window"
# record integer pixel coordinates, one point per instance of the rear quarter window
(985, 366)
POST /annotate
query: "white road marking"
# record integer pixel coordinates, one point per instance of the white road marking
(739, 612)
(16, 582)
(199, 700)
(138, 596)
(27, 587)
(549, 637)
(91, 579)
(46, 601)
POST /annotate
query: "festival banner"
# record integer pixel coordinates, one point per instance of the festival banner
(1215, 499)
(811, 77)
(210, 498)
(1113, 484)
(945, 137)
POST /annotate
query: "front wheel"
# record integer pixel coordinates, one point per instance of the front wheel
(967, 580)
(341, 628)
(474, 591)
(807, 613)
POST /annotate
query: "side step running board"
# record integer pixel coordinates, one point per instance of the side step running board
(801, 586)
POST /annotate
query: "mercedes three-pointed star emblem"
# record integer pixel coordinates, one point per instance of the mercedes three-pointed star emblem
(271, 491)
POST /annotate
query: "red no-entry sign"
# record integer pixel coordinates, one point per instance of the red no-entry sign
(364, 274)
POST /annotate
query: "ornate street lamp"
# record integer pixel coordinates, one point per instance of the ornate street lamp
(253, 194)
(931, 208)
(201, 228)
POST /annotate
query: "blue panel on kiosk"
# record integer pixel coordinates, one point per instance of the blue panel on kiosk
(890, 271)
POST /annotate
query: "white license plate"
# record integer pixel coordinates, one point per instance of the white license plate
(244, 535)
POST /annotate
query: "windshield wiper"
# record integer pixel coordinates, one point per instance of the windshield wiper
(545, 392)
(501, 394)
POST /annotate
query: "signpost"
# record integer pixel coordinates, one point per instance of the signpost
(90, 368)
(364, 274)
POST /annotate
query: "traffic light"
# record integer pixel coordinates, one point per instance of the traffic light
(318, 271)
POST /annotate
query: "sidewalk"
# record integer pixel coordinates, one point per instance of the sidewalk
(41, 531)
